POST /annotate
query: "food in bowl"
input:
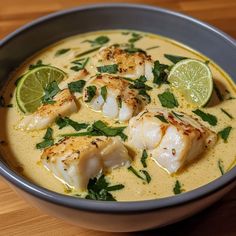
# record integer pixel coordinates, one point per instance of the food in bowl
(119, 115)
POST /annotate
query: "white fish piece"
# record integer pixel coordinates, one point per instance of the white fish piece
(75, 160)
(46, 114)
(121, 101)
(173, 140)
(131, 65)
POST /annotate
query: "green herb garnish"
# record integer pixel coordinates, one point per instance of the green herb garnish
(177, 115)
(226, 113)
(87, 52)
(50, 91)
(161, 118)
(98, 41)
(63, 122)
(132, 49)
(211, 119)
(160, 73)
(146, 177)
(174, 58)
(143, 93)
(104, 92)
(140, 83)
(62, 51)
(224, 134)
(167, 99)
(144, 158)
(177, 188)
(154, 47)
(98, 189)
(90, 93)
(79, 64)
(47, 140)
(77, 86)
(39, 63)
(111, 69)
(221, 167)
(135, 37)
(99, 128)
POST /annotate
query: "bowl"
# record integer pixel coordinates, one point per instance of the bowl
(117, 216)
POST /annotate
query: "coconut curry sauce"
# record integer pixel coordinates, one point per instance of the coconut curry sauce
(19, 146)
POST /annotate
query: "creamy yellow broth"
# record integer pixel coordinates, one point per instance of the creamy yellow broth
(19, 146)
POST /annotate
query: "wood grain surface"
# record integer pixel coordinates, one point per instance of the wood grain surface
(19, 218)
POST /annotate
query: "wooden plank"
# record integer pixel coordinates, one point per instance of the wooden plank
(19, 218)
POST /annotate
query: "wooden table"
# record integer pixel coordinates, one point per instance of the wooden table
(19, 218)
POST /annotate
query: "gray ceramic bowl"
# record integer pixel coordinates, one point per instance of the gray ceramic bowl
(118, 216)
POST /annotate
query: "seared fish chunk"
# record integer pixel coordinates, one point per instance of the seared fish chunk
(46, 114)
(172, 138)
(131, 65)
(120, 101)
(75, 160)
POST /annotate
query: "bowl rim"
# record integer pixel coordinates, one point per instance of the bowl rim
(108, 206)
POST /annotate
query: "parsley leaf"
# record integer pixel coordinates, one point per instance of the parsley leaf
(144, 158)
(160, 74)
(132, 49)
(143, 93)
(221, 167)
(62, 51)
(226, 113)
(50, 91)
(211, 119)
(167, 99)
(79, 64)
(90, 93)
(111, 69)
(174, 58)
(98, 41)
(104, 92)
(98, 189)
(39, 63)
(224, 134)
(177, 188)
(77, 86)
(146, 177)
(63, 122)
(48, 140)
(161, 118)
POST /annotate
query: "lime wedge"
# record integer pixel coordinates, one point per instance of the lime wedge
(193, 79)
(31, 86)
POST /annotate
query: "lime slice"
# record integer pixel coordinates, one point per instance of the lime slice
(193, 79)
(31, 87)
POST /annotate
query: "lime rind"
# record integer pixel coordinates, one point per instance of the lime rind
(30, 88)
(193, 79)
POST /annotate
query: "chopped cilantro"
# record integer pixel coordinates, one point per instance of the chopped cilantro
(221, 167)
(224, 134)
(77, 86)
(90, 93)
(62, 51)
(63, 122)
(146, 177)
(111, 69)
(174, 58)
(98, 189)
(160, 73)
(226, 113)
(39, 63)
(87, 52)
(50, 91)
(79, 64)
(144, 158)
(48, 140)
(161, 118)
(211, 119)
(104, 92)
(167, 99)
(177, 188)
(98, 41)
(135, 37)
